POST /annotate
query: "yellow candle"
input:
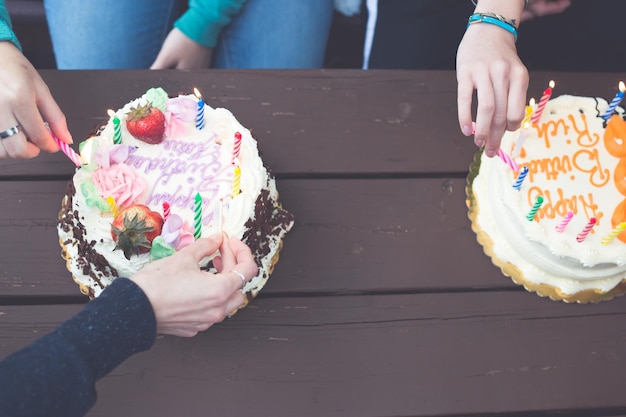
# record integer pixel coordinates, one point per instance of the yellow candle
(614, 233)
(112, 206)
(236, 181)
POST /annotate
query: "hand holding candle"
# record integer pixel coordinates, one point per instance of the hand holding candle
(68, 151)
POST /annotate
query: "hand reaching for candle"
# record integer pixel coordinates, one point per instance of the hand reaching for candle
(25, 102)
(187, 300)
(487, 62)
(180, 52)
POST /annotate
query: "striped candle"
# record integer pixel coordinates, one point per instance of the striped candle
(614, 233)
(566, 219)
(583, 235)
(236, 147)
(508, 160)
(616, 100)
(542, 102)
(200, 114)
(166, 210)
(520, 178)
(538, 202)
(236, 181)
(117, 129)
(112, 206)
(68, 151)
(197, 217)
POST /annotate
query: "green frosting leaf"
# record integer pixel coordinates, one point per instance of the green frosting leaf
(158, 97)
(160, 249)
(92, 197)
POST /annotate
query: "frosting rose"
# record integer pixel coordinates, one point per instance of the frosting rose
(177, 233)
(120, 182)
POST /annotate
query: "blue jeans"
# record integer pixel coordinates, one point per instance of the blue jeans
(120, 34)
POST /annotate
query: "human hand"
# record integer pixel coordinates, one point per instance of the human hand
(180, 52)
(487, 62)
(187, 300)
(25, 100)
(539, 8)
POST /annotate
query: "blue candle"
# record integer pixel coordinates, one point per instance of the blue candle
(618, 98)
(200, 114)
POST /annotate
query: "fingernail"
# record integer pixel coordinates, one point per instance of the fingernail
(467, 130)
(479, 142)
(490, 153)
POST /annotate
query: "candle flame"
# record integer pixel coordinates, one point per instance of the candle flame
(86, 150)
(531, 103)
(197, 92)
(551, 84)
(111, 113)
(622, 87)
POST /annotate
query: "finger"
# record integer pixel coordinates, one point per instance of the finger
(465, 90)
(485, 108)
(500, 79)
(235, 302)
(243, 255)
(203, 247)
(18, 147)
(517, 98)
(30, 118)
(55, 118)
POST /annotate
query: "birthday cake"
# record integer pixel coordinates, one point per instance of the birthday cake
(556, 228)
(159, 174)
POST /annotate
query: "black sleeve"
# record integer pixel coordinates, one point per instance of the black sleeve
(56, 374)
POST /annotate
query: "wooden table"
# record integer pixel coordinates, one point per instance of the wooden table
(382, 304)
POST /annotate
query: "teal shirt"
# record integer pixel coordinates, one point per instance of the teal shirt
(6, 32)
(204, 19)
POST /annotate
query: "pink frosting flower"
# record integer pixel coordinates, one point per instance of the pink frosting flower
(177, 233)
(120, 182)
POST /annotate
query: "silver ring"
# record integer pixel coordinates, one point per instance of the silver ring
(10, 132)
(244, 281)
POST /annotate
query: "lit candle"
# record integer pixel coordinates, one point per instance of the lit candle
(236, 147)
(68, 151)
(618, 98)
(200, 114)
(528, 111)
(609, 238)
(566, 219)
(520, 178)
(236, 181)
(542, 102)
(508, 160)
(117, 130)
(583, 235)
(197, 217)
(166, 210)
(538, 202)
(112, 206)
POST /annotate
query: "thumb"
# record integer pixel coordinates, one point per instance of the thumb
(203, 247)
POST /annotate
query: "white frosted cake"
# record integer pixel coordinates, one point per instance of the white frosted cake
(188, 172)
(576, 163)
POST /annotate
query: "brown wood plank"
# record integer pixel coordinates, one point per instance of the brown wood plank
(401, 355)
(386, 235)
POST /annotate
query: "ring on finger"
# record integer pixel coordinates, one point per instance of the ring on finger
(244, 281)
(10, 132)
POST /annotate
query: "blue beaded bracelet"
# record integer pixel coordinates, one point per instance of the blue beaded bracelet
(492, 19)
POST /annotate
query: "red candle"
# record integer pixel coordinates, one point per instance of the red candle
(542, 102)
(583, 235)
(166, 210)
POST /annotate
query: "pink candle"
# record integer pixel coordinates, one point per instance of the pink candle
(583, 235)
(68, 151)
(508, 160)
(236, 147)
(166, 210)
(561, 226)
(542, 102)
